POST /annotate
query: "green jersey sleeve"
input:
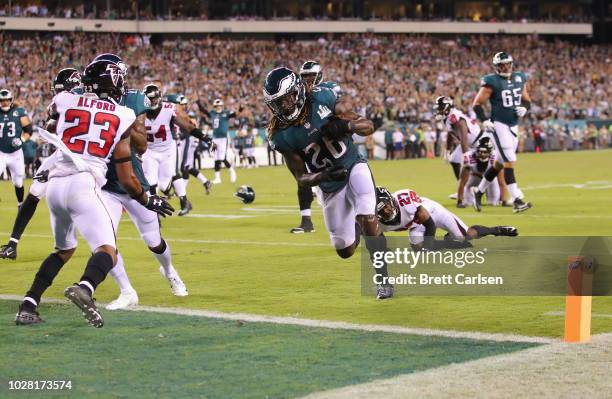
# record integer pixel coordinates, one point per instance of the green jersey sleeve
(489, 80)
(326, 97)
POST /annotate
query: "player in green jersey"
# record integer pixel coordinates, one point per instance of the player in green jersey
(311, 74)
(507, 92)
(14, 123)
(313, 131)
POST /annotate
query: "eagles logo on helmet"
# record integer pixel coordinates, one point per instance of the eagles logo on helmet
(502, 63)
(284, 94)
(246, 194)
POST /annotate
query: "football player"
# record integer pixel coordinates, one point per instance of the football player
(219, 118)
(507, 91)
(475, 163)
(160, 161)
(187, 146)
(465, 131)
(92, 129)
(311, 74)
(405, 210)
(65, 80)
(314, 133)
(14, 122)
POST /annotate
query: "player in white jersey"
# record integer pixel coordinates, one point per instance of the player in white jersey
(91, 130)
(160, 161)
(65, 80)
(421, 217)
(464, 129)
(475, 163)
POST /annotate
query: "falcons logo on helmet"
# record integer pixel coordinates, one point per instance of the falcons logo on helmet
(115, 74)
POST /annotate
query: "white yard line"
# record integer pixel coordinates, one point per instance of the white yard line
(188, 240)
(557, 370)
(596, 315)
(336, 325)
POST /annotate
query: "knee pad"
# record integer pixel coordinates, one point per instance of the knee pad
(153, 237)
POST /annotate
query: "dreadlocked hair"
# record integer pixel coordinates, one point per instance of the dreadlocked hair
(276, 124)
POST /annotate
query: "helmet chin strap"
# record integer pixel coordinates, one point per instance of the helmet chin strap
(5, 108)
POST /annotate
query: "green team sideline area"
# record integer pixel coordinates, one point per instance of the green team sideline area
(237, 258)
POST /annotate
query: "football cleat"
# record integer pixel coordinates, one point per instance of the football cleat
(185, 209)
(520, 206)
(216, 181)
(305, 226)
(26, 317)
(453, 196)
(232, 174)
(77, 295)
(384, 291)
(460, 204)
(508, 231)
(476, 201)
(208, 186)
(125, 300)
(176, 284)
(8, 252)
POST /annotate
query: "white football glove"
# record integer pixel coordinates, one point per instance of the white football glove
(521, 111)
(488, 125)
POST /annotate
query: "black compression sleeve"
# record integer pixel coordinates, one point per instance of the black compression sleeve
(480, 114)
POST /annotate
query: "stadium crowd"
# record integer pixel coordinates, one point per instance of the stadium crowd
(391, 79)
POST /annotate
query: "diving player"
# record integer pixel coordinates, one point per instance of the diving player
(311, 74)
(507, 92)
(65, 80)
(219, 120)
(405, 210)
(476, 162)
(14, 122)
(313, 132)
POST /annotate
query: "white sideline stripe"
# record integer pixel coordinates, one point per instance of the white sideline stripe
(559, 370)
(187, 240)
(335, 325)
(523, 215)
(598, 315)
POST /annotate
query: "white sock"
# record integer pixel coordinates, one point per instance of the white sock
(31, 300)
(217, 175)
(514, 191)
(179, 187)
(88, 285)
(186, 182)
(484, 184)
(120, 276)
(201, 178)
(165, 259)
(306, 212)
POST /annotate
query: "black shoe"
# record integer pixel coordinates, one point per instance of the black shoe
(78, 295)
(384, 291)
(520, 206)
(305, 226)
(507, 231)
(186, 208)
(476, 202)
(8, 252)
(26, 317)
(208, 186)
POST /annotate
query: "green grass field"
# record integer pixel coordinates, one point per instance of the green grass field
(248, 262)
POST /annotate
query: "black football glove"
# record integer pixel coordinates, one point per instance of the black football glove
(336, 128)
(334, 173)
(42, 176)
(159, 205)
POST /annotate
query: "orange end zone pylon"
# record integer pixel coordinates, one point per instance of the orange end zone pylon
(578, 300)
